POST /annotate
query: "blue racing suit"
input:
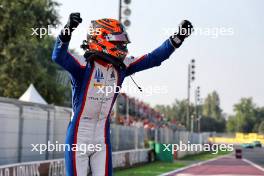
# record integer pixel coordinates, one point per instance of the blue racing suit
(90, 122)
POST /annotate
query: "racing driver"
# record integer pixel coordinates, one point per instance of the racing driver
(104, 63)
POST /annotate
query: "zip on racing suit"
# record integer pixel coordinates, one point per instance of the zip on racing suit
(90, 123)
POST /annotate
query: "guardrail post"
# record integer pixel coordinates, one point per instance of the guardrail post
(156, 135)
(48, 133)
(20, 132)
(136, 137)
(117, 129)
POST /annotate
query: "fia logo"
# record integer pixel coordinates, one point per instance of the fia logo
(98, 75)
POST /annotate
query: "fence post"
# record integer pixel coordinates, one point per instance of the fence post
(117, 128)
(48, 133)
(136, 137)
(20, 132)
(156, 135)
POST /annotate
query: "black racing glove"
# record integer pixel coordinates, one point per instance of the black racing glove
(185, 30)
(73, 21)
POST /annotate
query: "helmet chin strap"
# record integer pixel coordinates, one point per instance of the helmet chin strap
(84, 45)
(91, 55)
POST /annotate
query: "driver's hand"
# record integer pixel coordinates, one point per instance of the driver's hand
(73, 21)
(185, 30)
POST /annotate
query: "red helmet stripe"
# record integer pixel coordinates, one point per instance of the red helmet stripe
(102, 25)
(106, 23)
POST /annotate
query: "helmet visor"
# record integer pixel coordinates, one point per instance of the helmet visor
(119, 37)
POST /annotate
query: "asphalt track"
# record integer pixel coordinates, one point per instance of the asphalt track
(255, 155)
(252, 164)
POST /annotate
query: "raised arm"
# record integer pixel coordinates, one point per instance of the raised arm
(64, 58)
(150, 60)
(163, 52)
(61, 55)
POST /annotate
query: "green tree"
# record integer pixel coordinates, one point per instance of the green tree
(248, 117)
(231, 125)
(259, 118)
(212, 117)
(261, 128)
(166, 110)
(180, 109)
(211, 106)
(25, 58)
(177, 110)
(207, 110)
(212, 124)
(245, 115)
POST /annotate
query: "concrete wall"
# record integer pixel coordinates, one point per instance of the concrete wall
(57, 168)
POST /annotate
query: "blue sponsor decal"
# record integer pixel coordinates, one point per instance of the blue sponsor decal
(98, 75)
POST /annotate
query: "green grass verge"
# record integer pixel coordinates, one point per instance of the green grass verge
(160, 167)
(151, 169)
(204, 156)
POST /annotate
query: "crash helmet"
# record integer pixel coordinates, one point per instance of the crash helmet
(108, 36)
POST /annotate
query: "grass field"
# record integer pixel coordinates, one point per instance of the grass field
(159, 167)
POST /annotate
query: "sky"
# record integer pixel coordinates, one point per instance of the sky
(231, 63)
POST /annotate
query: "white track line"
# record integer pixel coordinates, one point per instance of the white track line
(193, 165)
(253, 164)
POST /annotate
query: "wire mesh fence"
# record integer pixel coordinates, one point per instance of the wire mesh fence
(24, 124)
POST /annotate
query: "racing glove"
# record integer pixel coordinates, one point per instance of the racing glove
(73, 21)
(185, 30)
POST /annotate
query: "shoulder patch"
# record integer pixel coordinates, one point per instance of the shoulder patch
(128, 60)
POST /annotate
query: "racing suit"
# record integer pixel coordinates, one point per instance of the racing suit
(90, 123)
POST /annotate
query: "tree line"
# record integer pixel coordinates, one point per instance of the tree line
(26, 58)
(247, 116)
